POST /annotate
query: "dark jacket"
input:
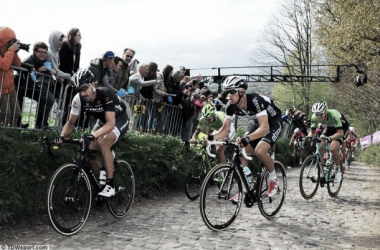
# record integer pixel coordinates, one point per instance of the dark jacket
(100, 73)
(66, 57)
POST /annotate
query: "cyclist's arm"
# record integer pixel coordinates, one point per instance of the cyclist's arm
(107, 127)
(196, 134)
(224, 130)
(69, 126)
(262, 130)
(339, 134)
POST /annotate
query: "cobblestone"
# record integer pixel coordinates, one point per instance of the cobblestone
(349, 221)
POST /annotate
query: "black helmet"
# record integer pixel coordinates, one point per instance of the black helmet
(81, 77)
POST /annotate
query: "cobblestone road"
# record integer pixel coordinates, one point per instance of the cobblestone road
(350, 221)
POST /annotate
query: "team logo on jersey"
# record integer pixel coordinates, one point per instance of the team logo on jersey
(74, 104)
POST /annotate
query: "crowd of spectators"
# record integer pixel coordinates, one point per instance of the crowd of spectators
(146, 82)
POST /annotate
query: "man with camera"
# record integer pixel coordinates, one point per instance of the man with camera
(9, 107)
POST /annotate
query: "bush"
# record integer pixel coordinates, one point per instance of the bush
(158, 162)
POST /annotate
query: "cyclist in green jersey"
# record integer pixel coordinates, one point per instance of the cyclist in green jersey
(336, 128)
(212, 119)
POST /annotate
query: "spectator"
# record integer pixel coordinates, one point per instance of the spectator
(158, 95)
(124, 73)
(199, 78)
(147, 92)
(40, 91)
(187, 114)
(55, 44)
(10, 113)
(137, 80)
(116, 66)
(69, 54)
(174, 88)
(182, 69)
(167, 73)
(99, 68)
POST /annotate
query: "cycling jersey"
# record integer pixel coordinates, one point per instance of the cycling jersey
(259, 105)
(216, 124)
(335, 120)
(104, 101)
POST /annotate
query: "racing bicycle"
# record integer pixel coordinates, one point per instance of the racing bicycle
(73, 186)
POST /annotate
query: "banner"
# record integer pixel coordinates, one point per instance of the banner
(365, 142)
(376, 137)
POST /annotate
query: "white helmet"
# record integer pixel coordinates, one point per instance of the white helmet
(320, 106)
(234, 82)
(297, 130)
(81, 77)
(352, 128)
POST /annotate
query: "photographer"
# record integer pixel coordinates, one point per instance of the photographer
(9, 107)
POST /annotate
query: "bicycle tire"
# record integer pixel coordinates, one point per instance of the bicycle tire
(195, 174)
(332, 187)
(68, 214)
(307, 184)
(270, 206)
(120, 204)
(349, 158)
(217, 211)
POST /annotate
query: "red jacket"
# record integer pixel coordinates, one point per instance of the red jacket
(7, 58)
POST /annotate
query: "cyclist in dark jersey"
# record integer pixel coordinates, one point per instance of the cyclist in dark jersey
(262, 138)
(112, 121)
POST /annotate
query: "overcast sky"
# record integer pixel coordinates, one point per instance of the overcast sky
(192, 33)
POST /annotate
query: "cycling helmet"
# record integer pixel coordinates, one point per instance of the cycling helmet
(297, 130)
(352, 128)
(208, 111)
(320, 125)
(81, 77)
(320, 106)
(234, 82)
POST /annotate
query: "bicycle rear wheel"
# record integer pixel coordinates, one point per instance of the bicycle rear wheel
(221, 184)
(68, 199)
(120, 204)
(307, 182)
(349, 157)
(334, 187)
(269, 206)
(195, 175)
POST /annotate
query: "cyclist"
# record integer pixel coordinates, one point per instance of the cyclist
(260, 137)
(336, 127)
(298, 137)
(112, 121)
(212, 119)
(353, 141)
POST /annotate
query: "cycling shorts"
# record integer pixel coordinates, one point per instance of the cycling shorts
(121, 126)
(275, 128)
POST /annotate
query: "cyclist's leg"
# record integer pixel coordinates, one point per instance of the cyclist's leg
(261, 151)
(334, 145)
(220, 154)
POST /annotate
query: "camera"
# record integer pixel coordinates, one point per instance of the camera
(23, 46)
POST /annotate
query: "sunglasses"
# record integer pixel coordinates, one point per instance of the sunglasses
(232, 91)
(319, 114)
(128, 56)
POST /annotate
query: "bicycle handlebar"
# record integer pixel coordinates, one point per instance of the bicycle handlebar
(242, 150)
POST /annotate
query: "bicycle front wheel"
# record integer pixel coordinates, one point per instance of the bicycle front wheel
(218, 210)
(68, 199)
(333, 187)
(120, 204)
(309, 177)
(269, 206)
(195, 175)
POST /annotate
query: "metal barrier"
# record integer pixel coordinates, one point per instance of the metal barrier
(46, 104)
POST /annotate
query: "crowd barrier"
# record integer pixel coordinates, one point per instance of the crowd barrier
(46, 104)
(368, 140)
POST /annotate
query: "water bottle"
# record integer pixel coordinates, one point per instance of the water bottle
(102, 177)
(248, 175)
